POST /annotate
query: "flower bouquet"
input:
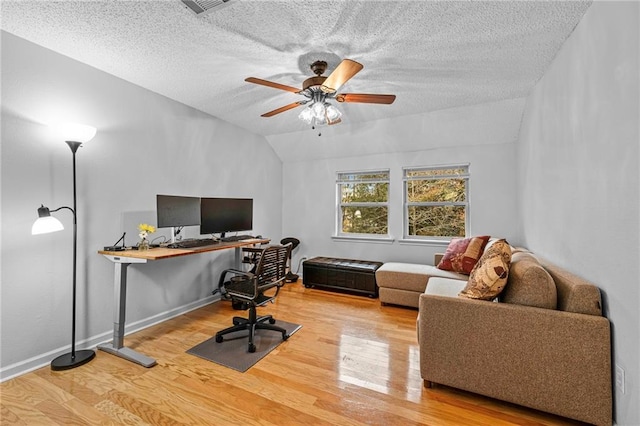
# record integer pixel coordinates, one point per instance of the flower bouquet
(143, 232)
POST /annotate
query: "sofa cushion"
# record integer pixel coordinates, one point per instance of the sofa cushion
(410, 276)
(575, 294)
(529, 283)
(444, 287)
(489, 277)
(462, 254)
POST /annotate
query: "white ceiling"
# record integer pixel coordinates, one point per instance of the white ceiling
(433, 55)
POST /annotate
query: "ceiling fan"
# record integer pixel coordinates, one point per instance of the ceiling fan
(318, 90)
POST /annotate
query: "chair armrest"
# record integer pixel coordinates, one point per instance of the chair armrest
(554, 361)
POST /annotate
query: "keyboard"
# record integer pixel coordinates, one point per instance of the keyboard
(237, 238)
(192, 243)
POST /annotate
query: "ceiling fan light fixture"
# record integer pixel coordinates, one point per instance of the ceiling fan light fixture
(320, 112)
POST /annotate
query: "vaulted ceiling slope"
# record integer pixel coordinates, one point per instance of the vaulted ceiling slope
(433, 55)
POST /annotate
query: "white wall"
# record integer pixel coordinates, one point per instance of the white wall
(146, 144)
(310, 190)
(578, 174)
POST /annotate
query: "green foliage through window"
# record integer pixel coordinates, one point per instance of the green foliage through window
(436, 201)
(363, 202)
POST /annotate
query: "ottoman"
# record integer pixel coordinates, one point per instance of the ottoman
(356, 276)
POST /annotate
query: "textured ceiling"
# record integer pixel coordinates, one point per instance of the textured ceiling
(433, 55)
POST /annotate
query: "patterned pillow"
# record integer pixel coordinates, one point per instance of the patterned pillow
(462, 254)
(489, 276)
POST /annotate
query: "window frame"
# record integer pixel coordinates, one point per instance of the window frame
(339, 204)
(406, 204)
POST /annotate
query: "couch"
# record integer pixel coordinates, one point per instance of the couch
(543, 343)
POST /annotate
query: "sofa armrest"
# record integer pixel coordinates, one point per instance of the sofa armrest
(555, 361)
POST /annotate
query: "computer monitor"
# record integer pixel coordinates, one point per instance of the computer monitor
(175, 211)
(221, 215)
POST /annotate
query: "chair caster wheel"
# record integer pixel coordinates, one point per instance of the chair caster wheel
(219, 339)
(252, 347)
(272, 321)
(285, 336)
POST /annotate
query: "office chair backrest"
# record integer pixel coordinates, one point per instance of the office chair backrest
(272, 267)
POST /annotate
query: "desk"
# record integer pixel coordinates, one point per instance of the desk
(122, 259)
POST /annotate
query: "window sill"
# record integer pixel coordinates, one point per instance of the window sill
(363, 239)
(419, 242)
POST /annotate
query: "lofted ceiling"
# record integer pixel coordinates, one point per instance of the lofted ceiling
(433, 55)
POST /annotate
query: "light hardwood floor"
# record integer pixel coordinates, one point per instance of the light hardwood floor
(354, 362)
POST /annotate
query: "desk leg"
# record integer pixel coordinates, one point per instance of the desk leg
(116, 347)
(238, 259)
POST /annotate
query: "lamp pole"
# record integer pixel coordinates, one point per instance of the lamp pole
(74, 147)
(73, 359)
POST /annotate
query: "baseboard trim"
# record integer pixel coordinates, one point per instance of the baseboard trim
(42, 360)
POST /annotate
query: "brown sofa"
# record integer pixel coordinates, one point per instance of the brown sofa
(546, 344)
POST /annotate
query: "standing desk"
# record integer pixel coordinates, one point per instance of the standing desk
(122, 259)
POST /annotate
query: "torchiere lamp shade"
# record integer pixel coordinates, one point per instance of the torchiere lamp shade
(73, 132)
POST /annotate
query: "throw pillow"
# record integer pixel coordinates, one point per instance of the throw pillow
(489, 276)
(462, 254)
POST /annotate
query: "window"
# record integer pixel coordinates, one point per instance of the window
(436, 201)
(363, 203)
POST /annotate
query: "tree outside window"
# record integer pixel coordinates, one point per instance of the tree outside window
(363, 202)
(436, 201)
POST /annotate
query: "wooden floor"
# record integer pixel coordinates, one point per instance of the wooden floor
(354, 362)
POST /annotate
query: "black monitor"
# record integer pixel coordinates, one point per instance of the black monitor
(175, 211)
(220, 215)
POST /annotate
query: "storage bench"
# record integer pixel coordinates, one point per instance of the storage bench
(358, 276)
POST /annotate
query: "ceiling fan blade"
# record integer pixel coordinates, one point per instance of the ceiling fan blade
(271, 84)
(366, 98)
(282, 109)
(341, 75)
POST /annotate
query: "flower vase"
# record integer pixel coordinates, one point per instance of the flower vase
(143, 245)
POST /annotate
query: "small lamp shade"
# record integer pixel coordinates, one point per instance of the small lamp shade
(45, 225)
(333, 113)
(45, 222)
(73, 132)
(306, 115)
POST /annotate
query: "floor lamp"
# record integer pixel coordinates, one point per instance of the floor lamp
(75, 135)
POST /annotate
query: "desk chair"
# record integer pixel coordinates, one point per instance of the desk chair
(250, 289)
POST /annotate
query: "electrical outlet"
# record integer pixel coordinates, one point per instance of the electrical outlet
(620, 378)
